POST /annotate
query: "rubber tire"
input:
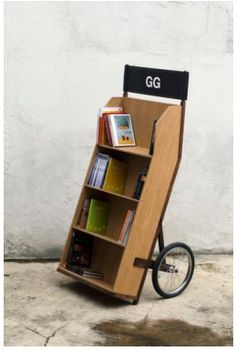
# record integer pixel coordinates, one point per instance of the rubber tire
(156, 266)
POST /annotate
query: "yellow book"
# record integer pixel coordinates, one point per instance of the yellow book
(115, 176)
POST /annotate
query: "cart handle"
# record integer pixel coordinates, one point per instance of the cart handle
(156, 82)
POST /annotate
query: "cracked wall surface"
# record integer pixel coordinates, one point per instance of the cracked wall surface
(63, 60)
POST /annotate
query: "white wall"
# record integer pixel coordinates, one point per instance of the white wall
(63, 60)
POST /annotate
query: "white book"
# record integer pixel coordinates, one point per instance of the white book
(125, 238)
(92, 172)
(121, 128)
(102, 169)
(96, 172)
(115, 109)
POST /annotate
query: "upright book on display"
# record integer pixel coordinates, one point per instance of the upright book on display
(121, 129)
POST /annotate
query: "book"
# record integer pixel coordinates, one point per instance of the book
(98, 171)
(152, 142)
(140, 183)
(121, 128)
(81, 249)
(115, 176)
(101, 134)
(126, 227)
(123, 230)
(107, 130)
(98, 216)
(84, 214)
(126, 236)
(86, 272)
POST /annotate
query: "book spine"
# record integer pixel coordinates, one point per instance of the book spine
(92, 171)
(98, 129)
(140, 183)
(101, 170)
(106, 162)
(84, 215)
(123, 230)
(103, 132)
(95, 183)
(94, 177)
(112, 127)
(108, 131)
(152, 142)
(125, 239)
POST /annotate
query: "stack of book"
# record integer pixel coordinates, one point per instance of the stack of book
(81, 250)
(98, 172)
(115, 127)
(80, 256)
(85, 272)
(108, 174)
(101, 133)
(124, 234)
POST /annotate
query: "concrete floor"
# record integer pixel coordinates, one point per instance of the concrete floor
(46, 308)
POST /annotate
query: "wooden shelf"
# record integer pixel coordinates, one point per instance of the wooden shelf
(134, 150)
(100, 236)
(89, 281)
(113, 194)
(114, 260)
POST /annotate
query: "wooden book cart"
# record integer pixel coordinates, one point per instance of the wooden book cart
(125, 266)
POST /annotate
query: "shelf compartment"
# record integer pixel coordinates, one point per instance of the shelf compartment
(101, 284)
(105, 258)
(124, 197)
(118, 211)
(135, 165)
(100, 236)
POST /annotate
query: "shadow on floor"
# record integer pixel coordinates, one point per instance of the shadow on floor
(94, 295)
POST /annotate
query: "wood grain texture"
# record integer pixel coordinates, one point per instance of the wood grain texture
(143, 113)
(121, 277)
(151, 204)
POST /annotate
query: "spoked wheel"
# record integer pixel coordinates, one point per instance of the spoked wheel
(173, 270)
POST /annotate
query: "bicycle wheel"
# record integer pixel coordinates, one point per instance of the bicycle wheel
(173, 270)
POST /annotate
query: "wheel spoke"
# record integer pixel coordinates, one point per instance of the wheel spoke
(176, 270)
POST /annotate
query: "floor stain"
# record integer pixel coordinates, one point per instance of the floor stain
(209, 267)
(158, 333)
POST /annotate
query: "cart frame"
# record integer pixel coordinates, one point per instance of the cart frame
(159, 83)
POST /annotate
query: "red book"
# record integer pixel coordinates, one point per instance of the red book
(108, 132)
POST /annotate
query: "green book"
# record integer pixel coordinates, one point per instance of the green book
(98, 216)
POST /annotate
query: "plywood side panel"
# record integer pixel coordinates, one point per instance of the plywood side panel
(152, 201)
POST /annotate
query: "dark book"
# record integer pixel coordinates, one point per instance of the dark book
(81, 250)
(84, 214)
(86, 272)
(140, 183)
(108, 131)
(151, 147)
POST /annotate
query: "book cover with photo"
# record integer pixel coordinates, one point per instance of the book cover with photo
(121, 130)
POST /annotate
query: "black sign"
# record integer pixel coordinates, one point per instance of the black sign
(157, 82)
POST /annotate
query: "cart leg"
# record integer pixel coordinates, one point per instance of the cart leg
(135, 302)
(161, 238)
